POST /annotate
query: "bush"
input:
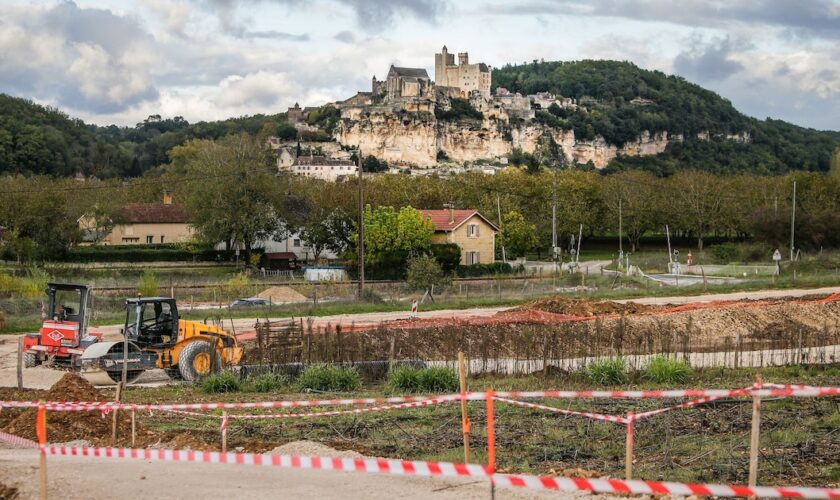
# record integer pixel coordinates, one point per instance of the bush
(269, 382)
(477, 270)
(665, 370)
(424, 272)
(412, 379)
(610, 371)
(324, 377)
(221, 382)
(148, 284)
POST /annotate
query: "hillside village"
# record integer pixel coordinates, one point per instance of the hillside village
(454, 122)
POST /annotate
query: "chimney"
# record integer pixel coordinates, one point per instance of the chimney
(451, 208)
(167, 197)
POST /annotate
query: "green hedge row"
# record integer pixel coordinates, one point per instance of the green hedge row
(144, 253)
(479, 270)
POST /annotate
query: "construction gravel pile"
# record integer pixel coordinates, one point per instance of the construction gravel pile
(313, 449)
(585, 307)
(282, 295)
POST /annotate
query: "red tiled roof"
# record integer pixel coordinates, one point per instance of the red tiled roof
(154, 213)
(440, 218)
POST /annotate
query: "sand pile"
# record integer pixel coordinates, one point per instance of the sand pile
(63, 426)
(313, 449)
(282, 295)
(585, 307)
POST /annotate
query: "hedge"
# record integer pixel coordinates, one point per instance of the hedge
(144, 253)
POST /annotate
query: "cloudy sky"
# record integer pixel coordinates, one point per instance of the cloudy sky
(118, 61)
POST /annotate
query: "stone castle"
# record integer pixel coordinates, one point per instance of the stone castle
(464, 76)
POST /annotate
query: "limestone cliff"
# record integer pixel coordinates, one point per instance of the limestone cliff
(415, 138)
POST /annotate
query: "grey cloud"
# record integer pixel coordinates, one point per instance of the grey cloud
(88, 25)
(708, 62)
(277, 35)
(345, 36)
(805, 17)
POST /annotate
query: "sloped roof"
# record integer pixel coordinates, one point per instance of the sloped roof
(154, 213)
(415, 72)
(483, 68)
(440, 218)
(321, 160)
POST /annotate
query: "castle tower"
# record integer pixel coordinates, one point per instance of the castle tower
(443, 60)
(463, 58)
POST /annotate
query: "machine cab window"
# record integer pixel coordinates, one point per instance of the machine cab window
(156, 319)
(67, 305)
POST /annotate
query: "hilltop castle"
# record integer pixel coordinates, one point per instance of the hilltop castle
(464, 76)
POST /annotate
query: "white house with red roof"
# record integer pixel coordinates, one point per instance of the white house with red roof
(471, 231)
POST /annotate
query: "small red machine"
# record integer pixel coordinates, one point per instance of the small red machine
(63, 336)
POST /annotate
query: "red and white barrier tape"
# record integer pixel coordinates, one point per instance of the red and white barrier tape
(784, 391)
(17, 440)
(445, 469)
(688, 404)
(594, 416)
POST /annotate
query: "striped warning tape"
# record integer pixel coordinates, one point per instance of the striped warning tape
(784, 391)
(17, 440)
(445, 469)
(594, 416)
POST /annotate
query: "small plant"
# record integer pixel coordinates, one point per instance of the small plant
(324, 377)
(665, 370)
(269, 382)
(220, 382)
(148, 284)
(612, 371)
(412, 379)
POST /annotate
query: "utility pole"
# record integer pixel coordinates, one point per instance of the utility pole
(620, 248)
(361, 244)
(792, 220)
(554, 214)
(499, 209)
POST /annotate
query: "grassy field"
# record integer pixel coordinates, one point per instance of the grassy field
(710, 443)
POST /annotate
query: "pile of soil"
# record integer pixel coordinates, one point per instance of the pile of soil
(8, 492)
(63, 426)
(282, 295)
(785, 328)
(585, 307)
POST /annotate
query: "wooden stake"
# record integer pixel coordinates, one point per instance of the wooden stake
(755, 433)
(133, 428)
(224, 432)
(114, 416)
(392, 352)
(20, 363)
(628, 452)
(465, 421)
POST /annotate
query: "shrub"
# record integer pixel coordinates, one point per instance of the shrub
(412, 379)
(610, 371)
(324, 377)
(148, 284)
(269, 382)
(438, 379)
(221, 382)
(477, 270)
(665, 370)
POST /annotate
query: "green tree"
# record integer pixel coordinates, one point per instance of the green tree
(425, 273)
(517, 236)
(373, 164)
(388, 230)
(834, 170)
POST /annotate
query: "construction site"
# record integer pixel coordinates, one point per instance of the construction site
(790, 338)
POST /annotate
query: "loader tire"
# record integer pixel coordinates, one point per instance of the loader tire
(199, 359)
(30, 360)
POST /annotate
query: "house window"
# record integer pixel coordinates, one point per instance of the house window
(472, 231)
(150, 239)
(473, 258)
(162, 238)
(296, 243)
(131, 240)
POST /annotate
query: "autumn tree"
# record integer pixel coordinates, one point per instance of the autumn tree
(517, 236)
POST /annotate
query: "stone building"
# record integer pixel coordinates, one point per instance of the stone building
(474, 234)
(403, 82)
(465, 76)
(323, 168)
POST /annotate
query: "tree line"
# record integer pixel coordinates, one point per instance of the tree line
(234, 194)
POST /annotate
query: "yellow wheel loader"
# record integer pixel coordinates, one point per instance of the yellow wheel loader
(156, 337)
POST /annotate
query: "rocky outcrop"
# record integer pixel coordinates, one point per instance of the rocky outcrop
(415, 139)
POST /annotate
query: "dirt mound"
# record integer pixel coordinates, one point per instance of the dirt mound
(785, 328)
(313, 449)
(63, 426)
(8, 492)
(585, 307)
(282, 294)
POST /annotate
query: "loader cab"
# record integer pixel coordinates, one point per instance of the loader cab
(151, 321)
(68, 303)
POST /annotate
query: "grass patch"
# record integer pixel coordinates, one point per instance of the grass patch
(324, 377)
(269, 382)
(610, 371)
(665, 370)
(412, 379)
(221, 382)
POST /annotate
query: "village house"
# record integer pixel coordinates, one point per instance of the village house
(142, 223)
(322, 168)
(474, 234)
